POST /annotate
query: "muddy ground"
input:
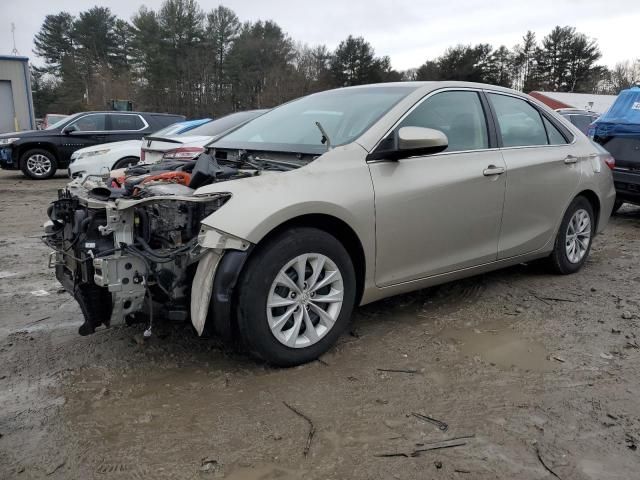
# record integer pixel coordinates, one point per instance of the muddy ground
(536, 372)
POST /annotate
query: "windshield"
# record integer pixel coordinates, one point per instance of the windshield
(222, 124)
(344, 115)
(60, 123)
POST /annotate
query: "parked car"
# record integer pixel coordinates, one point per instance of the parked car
(337, 199)
(582, 119)
(101, 159)
(52, 118)
(39, 153)
(189, 146)
(618, 131)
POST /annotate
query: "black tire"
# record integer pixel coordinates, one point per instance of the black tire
(45, 164)
(255, 285)
(125, 162)
(559, 260)
(616, 206)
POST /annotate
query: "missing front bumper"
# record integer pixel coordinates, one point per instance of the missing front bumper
(124, 277)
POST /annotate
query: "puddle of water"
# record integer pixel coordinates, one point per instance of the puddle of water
(499, 344)
(266, 471)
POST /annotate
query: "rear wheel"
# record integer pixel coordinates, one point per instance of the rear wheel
(295, 297)
(125, 162)
(573, 242)
(38, 164)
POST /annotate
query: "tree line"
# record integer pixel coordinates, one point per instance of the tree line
(182, 59)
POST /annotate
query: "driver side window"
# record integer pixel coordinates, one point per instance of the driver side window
(458, 114)
(89, 123)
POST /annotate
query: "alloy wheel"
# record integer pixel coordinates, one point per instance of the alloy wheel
(578, 236)
(39, 165)
(305, 300)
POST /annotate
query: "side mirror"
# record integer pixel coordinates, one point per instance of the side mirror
(411, 142)
(68, 130)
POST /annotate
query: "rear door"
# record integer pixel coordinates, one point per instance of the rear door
(542, 174)
(440, 213)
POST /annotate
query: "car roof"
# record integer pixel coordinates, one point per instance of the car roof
(434, 85)
(132, 113)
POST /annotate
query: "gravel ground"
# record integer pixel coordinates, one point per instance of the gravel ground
(532, 374)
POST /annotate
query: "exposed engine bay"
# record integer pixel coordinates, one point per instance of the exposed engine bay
(131, 240)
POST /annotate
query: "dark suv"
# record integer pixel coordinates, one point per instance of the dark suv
(618, 131)
(39, 153)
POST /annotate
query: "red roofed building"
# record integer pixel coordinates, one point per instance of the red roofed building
(583, 101)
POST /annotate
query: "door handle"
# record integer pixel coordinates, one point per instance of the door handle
(570, 159)
(493, 170)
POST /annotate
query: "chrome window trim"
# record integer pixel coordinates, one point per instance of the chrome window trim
(534, 106)
(144, 122)
(416, 105)
(439, 154)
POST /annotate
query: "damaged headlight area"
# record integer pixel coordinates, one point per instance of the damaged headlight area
(120, 258)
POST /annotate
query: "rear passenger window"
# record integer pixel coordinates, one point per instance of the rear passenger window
(520, 124)
(555, 137)
(126, 122)
(458, 114)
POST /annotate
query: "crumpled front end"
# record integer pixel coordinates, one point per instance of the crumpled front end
(121, 259)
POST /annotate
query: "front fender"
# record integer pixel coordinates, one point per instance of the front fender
(337, 184)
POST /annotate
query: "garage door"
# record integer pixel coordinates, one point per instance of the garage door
(6, 107)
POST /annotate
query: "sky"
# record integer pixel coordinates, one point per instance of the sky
(408, 31)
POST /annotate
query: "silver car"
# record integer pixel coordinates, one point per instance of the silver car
(335, 200)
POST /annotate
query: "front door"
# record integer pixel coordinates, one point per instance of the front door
(86, 131)
(440, 213)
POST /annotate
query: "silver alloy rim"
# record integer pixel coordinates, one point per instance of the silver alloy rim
(578, 236)
(39, 164)
(305, 300)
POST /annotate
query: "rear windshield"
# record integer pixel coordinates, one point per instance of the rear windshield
(344, 115)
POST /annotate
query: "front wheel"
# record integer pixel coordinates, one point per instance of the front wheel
(38, 164)
(295, 297)
(573, 242)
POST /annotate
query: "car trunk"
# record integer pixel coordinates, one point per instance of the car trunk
(154, 148)
(625, 151)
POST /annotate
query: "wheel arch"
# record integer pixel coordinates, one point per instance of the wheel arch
(221, 319)
(333, 226)
(136, 157)
(49, 147)
(594, 200)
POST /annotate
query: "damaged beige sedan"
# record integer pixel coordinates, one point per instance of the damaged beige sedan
(334, 200)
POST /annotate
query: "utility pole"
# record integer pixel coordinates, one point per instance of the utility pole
(13, 34)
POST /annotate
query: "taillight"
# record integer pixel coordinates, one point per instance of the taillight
(610, 161)
(183, 153)
(142, 154)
